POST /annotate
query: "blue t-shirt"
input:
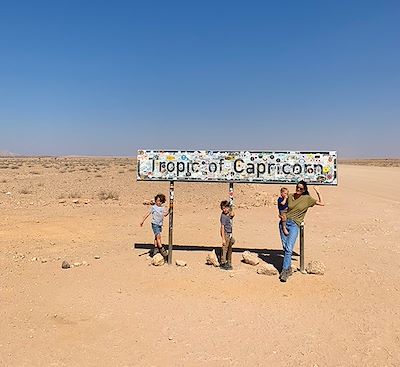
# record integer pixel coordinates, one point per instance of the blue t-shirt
(280, 206)
(226, 221)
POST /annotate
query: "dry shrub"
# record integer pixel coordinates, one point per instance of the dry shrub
(98, 175)
(14, 167)
(108, 195)
(34, 172)
(4, 181)
(74, 195)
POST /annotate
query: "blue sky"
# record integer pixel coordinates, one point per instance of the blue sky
(109, 77)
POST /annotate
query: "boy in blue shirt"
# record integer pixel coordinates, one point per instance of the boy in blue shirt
(226, 235)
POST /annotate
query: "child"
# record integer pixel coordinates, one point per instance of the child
(283, 208)
(158, 213)
(226, 234)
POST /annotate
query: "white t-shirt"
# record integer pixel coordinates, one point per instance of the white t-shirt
(158, 214)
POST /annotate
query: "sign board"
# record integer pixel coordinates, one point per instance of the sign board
(238, 166)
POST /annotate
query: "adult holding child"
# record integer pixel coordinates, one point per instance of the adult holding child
(298, 204)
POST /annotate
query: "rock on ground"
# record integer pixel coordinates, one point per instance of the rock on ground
(315, 267)
(65, 265)
(212, 259)
(158, 260)
(267, 269)
(180, 263)
(250, 258)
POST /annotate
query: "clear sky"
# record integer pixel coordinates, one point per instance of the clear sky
(109, 77)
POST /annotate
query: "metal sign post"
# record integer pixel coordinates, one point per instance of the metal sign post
(231, 193)
(171, 220)
(302, 248)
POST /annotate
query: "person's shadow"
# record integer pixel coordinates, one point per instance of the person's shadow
(270, 256)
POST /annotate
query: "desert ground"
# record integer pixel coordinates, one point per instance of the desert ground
(117, 310)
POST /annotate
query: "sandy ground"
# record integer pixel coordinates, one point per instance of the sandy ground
(119, 311)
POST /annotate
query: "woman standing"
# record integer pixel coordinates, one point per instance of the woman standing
(298, 203)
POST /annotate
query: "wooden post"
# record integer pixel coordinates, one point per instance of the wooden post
(171, 220)
(302, 248)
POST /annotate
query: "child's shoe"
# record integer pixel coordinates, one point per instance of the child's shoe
(163, 252)
(228, 266)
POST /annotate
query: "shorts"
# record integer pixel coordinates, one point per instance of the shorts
(157, 229)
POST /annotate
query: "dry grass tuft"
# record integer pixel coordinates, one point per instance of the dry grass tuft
(108, 195)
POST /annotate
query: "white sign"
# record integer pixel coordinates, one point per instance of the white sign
(237, 166)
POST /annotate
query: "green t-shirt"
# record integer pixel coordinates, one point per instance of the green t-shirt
(298, 207)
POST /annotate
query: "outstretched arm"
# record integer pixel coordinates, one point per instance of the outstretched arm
(144, 218)
(319, 201)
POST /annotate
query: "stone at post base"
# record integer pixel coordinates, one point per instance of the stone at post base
(212, 259)
(158, 260)
(180, 263)
(250, 258)
(315, 267)
(267, 269)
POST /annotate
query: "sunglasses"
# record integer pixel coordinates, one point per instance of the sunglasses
(300, 188)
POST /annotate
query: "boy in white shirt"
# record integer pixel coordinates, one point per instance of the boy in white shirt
(158, 213)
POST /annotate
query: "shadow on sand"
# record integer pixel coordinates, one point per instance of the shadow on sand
(270, 256)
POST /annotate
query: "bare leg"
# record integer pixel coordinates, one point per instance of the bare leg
(157, 241)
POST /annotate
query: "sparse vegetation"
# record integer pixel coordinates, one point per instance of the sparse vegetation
(108, 195)
(34, 172)
(74, 195)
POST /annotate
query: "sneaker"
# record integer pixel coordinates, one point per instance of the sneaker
(153, 251)
(283, 277)
(228, 266)
(163, 252)
(223, 266)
